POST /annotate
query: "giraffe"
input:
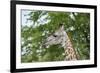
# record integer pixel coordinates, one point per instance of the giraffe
(61, 37)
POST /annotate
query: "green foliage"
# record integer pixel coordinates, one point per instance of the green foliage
(77, 25)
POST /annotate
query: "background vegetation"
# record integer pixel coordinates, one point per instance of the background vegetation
(44, 23)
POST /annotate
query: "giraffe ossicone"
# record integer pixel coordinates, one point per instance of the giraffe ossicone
(61, 37)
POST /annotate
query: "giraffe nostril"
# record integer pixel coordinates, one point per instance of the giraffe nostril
(45, 46)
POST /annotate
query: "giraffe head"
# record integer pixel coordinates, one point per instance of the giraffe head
(58, 37)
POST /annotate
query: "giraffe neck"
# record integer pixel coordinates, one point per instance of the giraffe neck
(69, 50)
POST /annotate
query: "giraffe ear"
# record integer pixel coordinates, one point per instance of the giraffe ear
(61, 26)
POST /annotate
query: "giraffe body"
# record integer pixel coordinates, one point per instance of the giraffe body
(60, 37)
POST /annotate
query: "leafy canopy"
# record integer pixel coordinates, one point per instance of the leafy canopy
(77, 25)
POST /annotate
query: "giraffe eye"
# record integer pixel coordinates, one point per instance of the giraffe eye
(55, 35)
